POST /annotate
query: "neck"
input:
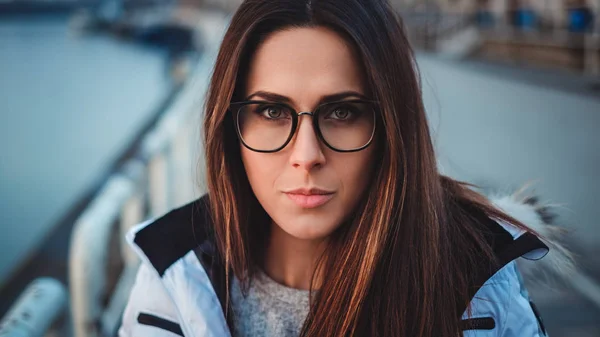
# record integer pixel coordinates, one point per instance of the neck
(291, 261)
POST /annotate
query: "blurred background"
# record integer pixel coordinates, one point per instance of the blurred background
(100, 110)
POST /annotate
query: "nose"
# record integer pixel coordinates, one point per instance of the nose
(306, 147)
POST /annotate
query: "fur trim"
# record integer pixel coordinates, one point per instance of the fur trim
(539, 218)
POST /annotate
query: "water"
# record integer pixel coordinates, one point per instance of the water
(69, 105)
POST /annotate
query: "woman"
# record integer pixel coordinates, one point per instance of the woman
(325, 213)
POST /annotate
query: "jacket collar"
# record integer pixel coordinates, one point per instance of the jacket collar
(180, 247)
(167, 239)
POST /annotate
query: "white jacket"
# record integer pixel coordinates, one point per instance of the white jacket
(176, 292)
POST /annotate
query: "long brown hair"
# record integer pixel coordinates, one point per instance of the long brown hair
(401, 266)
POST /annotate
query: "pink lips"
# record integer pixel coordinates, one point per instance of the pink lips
(309, 198)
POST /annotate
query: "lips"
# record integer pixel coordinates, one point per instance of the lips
(309, 198)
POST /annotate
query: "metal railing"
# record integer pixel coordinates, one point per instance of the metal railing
(431, 28)
(584, 47)
(38, 307)
(158, 177)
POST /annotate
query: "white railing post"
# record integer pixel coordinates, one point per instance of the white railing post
(181, 154)
(133, 211)
(43, 301)
(89, 253)
(153, 149)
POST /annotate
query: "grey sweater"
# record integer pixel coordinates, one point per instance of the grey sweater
(270, 309)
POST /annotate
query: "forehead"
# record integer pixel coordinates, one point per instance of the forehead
(305, 64)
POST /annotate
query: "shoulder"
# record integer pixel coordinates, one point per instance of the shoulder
(500, 304)
(504, 308)
(507, 244)
(163, 241)
(145, 315)
(169, 246)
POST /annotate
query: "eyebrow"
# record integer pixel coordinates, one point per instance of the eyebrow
(271, 96)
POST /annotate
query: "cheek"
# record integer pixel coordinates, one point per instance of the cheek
(354, 171)
(355, 177)
(261, 169)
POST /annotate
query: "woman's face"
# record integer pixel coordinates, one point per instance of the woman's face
(306, 65)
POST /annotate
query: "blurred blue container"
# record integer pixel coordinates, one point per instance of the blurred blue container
(580, 19)
(525, 19)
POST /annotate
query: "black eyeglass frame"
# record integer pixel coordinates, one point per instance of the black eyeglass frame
(235, 108)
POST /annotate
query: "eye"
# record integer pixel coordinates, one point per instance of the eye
(271, 112)
(342, 113)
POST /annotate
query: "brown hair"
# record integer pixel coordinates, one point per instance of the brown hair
(401, 265)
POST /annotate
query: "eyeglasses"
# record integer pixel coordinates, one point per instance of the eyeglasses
(343, 126)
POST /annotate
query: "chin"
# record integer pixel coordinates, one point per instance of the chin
(308, 229)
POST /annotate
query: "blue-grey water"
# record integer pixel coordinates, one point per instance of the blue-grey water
(69, 105)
